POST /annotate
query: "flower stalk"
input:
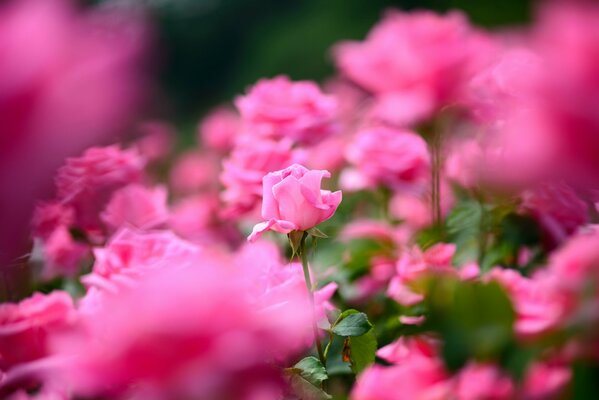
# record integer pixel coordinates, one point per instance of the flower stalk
(302, 253)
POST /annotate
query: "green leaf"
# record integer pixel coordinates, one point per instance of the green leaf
(362, 351)
(474, 319)
(353, 323)
(305, 390)
(311, 369)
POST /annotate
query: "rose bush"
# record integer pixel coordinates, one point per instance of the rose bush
(461, 260)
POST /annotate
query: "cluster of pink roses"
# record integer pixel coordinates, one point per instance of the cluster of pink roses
(467, 161)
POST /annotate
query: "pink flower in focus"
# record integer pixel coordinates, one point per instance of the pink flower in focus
(293, 201)
(398, 159)
(219, 129)
(422, 57)
(193, 171)
(86, 183)
(246, 166)
(25, 326)
(137, 206)
(557, 208)
(277, 108)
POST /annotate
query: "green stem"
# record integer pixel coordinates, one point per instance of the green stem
(436, 178)
(304, 258)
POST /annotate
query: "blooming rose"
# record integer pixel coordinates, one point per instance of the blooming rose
(193, 171)
(219, 129)
(421, 58)
(138, 206)
(416, 364)
(277, 108)
(87, 182)
(63, 254)
(385, 156)
(293, 201)
(213, 328)
(244, 169)
(557, 208)
(24, 326)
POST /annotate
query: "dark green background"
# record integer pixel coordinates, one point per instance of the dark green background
(211, 50)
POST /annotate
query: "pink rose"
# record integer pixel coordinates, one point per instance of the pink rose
(422, 57)
(158, 140)
(483, 381)
(244, 169)
(137, 206)
(193, 171)
(293, 201)
(87, 182)
(209, 330)
(557, 208)
(383, 156)
(63, 255)
(49, 216)
(277, 108)
(219, 129)
(416, 366)
(24, 327)
(415, 264)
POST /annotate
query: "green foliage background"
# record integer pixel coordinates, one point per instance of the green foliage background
(210, 50)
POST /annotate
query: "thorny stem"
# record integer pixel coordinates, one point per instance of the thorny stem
(304, 257)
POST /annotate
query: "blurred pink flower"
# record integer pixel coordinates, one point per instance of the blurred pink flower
(224, 327)
(71, 79)
(244, 169)
(538, 305)
(327, 154)
(137, 206)
(415, 209)
(219, 129)
(415, 264)
(277, 108)
(63, 255)
(294, 201)
(483, 381)
(86, 183)
(421, 59)
(48, 216)
(545, 380)
(566, 36)
(157, 141)
(25, 326)
(416, 366)
(195, 218)
(557, 208)
(131, 254)
(398, 159)
(194, 171)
